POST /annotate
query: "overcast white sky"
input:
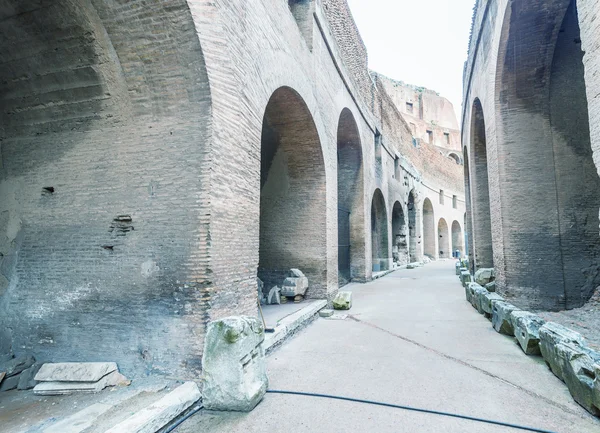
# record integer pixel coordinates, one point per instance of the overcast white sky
(421, 42)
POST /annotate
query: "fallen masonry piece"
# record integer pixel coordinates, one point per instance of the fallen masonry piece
(465, 278)
(234, 365)
(484, 276)
(75, 371)
(491, 287)
(154, 417)
(488, 299)
(15, 366)
(527, 326)
(63, 387)
(501, 317)
(325, 312)
(294, 285)
(343, 300)
(476, 297)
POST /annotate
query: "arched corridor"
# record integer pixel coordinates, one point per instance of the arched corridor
(351, 252)
(414, 242)
(457, 238)
(379, 233)
(292, 199)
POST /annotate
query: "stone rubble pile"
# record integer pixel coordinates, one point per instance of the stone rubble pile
(565, 351)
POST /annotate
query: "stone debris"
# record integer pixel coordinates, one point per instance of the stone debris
(469, 287)
(457, 267)
(484, 276)
(465, 278)
(476, 293)
(326, 312)
(295, 285)
(234, 365)
(15, 370)
(551, 335)
(501, 317)
(153, 418)
(27, 377)
(526, 327)
(343, 300)
(75, 371)
(9, 383)
(16, 365)
(274, 296)
(491, 287)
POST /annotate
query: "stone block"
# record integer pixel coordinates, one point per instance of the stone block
(484, 276)
(27, 377)
(487, 301)
(65, 388)
(457, 268)
(74, 371)
(294, 285)
(580, 370)
(460, 271)
(501, 317)
(16, 365)
(491, 287)
(343, 300)
(476, 292)
(551, 334)
(465, 278)
(526, 328)
(234, 365)
(9, 383)
(274, 296)
(154, 417)
(326, 312)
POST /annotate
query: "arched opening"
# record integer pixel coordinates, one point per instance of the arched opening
(399, 236)
(545, 153)
(482, 223)
(428, 230)
(379, 233)
(468, 224)
(443, 239)
(455, 157)
(292, 195)
(457, 238)
(351, 250)
(413, 232)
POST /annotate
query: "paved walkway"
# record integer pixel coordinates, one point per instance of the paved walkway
(411, 339)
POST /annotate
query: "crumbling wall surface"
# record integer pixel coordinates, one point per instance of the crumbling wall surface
(103, 202)
(541, 128)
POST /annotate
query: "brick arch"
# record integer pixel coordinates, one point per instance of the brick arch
(443, 239)
(350, 195)
(379, 232)
(457, 237)
(400, 238)
(544, 151)
(429, 229)
(293, 199)
(104, 147)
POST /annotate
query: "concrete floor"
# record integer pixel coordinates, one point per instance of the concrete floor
(411, 339)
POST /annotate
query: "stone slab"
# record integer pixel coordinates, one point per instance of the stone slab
(154, 417)
(526, 327)
(342, 300)
(501, 317)
(75, 371)
(288, 325)
(64, 388)
(79, 421)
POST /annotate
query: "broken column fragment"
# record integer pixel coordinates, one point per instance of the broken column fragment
(295, 285)
(234, 365)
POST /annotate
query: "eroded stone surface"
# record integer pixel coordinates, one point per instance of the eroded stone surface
(343, 300)
(234, 366)
(484, 276)
(74, 371)
(326, 312)
(26, 378)
(487, 300)
(501, 317)
(16, 365)
(526, 328)
(491, 287)
(551, 334)
(465, 277)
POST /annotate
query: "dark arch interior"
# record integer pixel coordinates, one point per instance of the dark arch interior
(413, 241)
(379, 233)
(443, 239)
(292, 197)
(482, 223)
(399, 235)
(457, 238)
(351, 252)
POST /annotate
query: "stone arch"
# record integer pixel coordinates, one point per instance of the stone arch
(292, 197)
(414, 234)
(443, 239)
(399, 235)
(544, 151)
(351, 239)
(480, 204)
(455, 157)
(457, 238)
(468, 222)
(429, 243)
(379, 233)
